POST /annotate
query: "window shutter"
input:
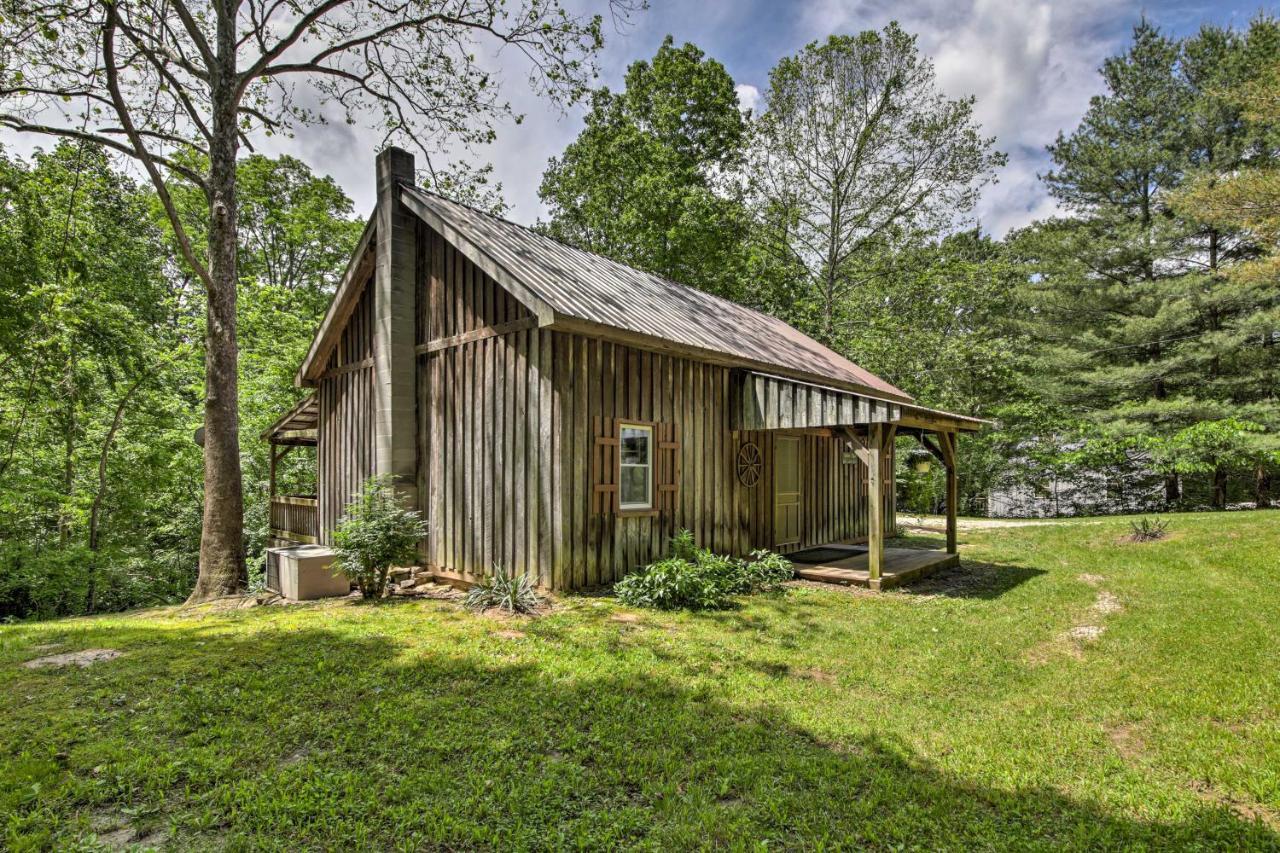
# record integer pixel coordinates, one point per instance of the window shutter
(604, 476)
(666, 475)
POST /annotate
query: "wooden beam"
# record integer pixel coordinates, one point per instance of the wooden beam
(948, 440)
(480, 334)
(928, 444)
(876, 444)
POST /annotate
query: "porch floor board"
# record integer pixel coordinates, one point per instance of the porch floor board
(900, 565)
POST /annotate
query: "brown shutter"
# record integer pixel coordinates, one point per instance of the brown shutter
(667, 468)
(604, 466)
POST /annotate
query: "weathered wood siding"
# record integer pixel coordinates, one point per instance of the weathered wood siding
(596, 381)
(345, 448)
(486, 422)
(772, 402)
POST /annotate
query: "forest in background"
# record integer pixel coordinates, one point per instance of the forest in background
(1127, 348)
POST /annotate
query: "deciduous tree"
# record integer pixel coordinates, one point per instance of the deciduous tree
(159, 79)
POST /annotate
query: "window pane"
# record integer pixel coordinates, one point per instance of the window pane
(635, 446)
(635, 486)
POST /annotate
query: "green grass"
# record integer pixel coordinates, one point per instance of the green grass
(953, 715)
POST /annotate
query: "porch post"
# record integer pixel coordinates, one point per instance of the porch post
(947, 440)
(875, 504)
(271, 477)
(879, 435)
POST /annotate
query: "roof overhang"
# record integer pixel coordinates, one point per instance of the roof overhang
(299, 425)
(344, 301)
(767, 401)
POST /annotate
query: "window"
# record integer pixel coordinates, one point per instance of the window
(636, 464)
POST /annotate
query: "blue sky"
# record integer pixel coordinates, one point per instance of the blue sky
(1031, 64)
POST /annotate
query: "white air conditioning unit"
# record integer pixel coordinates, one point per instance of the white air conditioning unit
(304, 572)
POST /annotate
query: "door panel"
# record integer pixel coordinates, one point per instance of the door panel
(786, 491)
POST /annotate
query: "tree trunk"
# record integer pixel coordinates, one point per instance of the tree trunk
(1220, 487)
(95, 512)
(1262, 486)
(222, 569)
(1172, 491)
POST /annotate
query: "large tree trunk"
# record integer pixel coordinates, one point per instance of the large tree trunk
(1262, 486)
(1220, 487)
(1172, 491)
(222, 570)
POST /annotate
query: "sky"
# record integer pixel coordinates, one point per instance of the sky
(1032, 65)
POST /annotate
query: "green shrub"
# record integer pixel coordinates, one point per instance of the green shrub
(767, 571)
(511, 592)
(672, 584)
(698, 579)
(376, 533)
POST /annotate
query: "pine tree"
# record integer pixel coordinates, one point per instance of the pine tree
(1145, 332)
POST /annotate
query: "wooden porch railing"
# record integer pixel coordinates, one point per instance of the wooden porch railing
(295, 517)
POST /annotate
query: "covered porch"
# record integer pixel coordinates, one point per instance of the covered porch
(897, 566)
(869, 427)
(294, 518)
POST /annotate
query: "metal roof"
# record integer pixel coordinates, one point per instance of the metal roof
(573, 285)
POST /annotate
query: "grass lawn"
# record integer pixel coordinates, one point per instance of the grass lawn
(1062, 688)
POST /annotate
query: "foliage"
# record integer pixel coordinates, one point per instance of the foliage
(510, 591)
(856, 153)
(1144, 329)
(97, 322)
(1148, 529)
(376, 533)
(695, 578)
(762, 719)
(180, 91)
(648, 181)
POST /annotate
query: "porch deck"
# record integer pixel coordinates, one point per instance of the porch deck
(900, 566)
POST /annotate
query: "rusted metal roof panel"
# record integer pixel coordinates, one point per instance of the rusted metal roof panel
(580, 286)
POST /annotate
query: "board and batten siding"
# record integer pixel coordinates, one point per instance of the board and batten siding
(344, 447)
(485, 425)
(598, 381)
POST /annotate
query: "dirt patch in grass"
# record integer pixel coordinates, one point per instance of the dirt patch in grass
(510, 634)
(1090, 579)
(1085, 633)
(625, 618)
(1127, 741)
(82, 658)
(1243, 809)
(816, 674)
(1106, 604)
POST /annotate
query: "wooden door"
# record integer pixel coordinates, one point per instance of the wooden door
(786, 491)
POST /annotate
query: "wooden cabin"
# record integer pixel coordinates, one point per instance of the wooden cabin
(564, 415)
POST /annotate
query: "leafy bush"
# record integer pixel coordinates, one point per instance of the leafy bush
(508, 591)
(1148, 529)
(698, 579)
(376, 533)
(767, 571)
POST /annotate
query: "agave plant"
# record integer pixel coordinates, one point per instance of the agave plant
(1148, 529)
(511, 592)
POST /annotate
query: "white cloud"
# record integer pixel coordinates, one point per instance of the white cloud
(748, 96)
(1032, 67)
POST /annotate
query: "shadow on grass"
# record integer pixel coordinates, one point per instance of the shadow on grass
(333, 736)
(972, 579)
